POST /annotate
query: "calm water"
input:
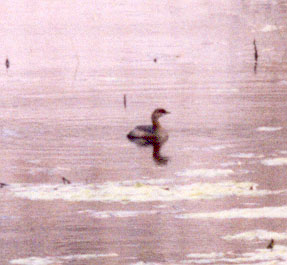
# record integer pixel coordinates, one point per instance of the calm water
(223, 194)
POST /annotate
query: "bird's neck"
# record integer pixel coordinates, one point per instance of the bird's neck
(155, 124)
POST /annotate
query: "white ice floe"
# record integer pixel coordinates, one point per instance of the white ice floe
(279, 161)
(139, 192)
(205, 172)
(59, 260)
(257, 235)
(268, 129)
(262, 256)
(117, 214)
(264, 212)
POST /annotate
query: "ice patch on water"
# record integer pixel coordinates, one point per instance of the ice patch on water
(261, 256)
(279, 161)
(257, 235)
(117, 192)
(118, 214)
(252, 213)
(203, 172)
(268, 129)
(60, 259)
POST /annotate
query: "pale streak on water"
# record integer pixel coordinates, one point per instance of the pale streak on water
(222, 196)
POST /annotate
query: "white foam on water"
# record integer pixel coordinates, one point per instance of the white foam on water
(162, 181)
(252, 213)
(161, 206)
(231, 163)
(48, 171)
(279, 161)
(269, 28)
(219, 147)
(6, 132)
(59, 260)
(244, 155)
(226, 90)
(139, 192)
(117, 214)
(34, 161)
(204, 172)
(36, 171)
(268, 129)
(259, 257)
(35, 261)
(148, 263)
(258, 234)
(205, 255)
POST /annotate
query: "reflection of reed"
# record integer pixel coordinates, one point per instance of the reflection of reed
(255, 56)
(125, 101)
(66, 181)
(7, 63)
(271, 244)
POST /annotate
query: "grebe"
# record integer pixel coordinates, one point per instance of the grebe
(150, 134)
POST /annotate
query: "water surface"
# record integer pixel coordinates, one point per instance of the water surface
(222, 195)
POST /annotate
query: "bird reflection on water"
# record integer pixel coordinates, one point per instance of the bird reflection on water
(155, 135)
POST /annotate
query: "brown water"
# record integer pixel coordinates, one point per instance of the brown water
(222, 195)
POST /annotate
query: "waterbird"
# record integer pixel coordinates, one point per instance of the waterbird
(255, 56)
(125, 101)
(271, 244)
(2, 185)
(151, 134)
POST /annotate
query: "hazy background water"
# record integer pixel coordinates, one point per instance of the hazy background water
(62, 115)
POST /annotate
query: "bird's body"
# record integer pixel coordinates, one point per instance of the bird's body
(150, 134)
